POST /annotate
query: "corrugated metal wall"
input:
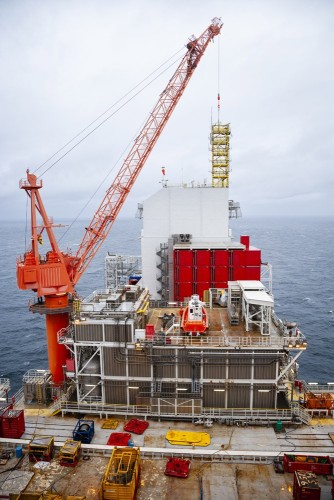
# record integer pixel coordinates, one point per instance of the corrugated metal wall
(139, 365)
(119, 332)
(165, 360)
(234, 395)
(220, 369)
(238, 396)
(88, 333)
(168, 388)
(214, 368)
(115, 392)
(211, 398)
(239, 367)
(114, 361)
(184, 370)
(265, 368)
(133, 394)
(264, 399)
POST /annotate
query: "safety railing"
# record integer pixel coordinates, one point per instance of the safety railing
(300, 412)
(223, 415)
(223, 341)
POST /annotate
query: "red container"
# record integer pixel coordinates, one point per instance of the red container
(312, 463)
(202, 257)
(220, 257)
(149, 331)
(183, 257)
(13, 425)
(305, 486)
(136, 426)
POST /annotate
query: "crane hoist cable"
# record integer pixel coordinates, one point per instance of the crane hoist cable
(95, 192)
(94, 121)
(120, 156)
(106, 111)
(104, 121)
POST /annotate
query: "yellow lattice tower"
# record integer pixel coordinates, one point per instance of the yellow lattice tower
(220, 148)
(76, 306)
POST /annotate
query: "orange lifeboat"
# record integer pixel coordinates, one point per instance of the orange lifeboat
(194, 317)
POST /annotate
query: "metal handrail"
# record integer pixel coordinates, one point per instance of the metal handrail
(300, 412)
(18, 397)
(227, 414)
(223, 341)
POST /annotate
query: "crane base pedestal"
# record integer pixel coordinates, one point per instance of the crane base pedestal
(55, 320)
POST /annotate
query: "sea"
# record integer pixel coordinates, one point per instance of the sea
(300, 251)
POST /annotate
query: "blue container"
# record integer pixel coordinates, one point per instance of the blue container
(18, 452)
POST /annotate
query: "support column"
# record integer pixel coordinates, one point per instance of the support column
(57, 353)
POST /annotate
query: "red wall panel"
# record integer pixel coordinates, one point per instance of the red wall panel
(202, 274)
(185, 290)
(183, 273)
(220, 273)
(239, 273)
(200, 287)
(220, 284)
(253, 257)
(252, 273)
(238, 258)
(202, 257)
(220, 257)
(183, 257)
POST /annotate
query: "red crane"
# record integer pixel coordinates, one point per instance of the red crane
(55, 275)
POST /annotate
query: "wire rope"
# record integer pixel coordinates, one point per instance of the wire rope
(117, 161)
(104, 121)
(106, 111)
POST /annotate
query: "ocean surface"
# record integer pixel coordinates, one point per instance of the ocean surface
(300, 251)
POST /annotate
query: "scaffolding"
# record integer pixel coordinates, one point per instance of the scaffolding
(119, 268)
(37, 386)
(220, 149)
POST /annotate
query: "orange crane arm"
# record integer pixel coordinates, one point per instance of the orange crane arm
(100, 225)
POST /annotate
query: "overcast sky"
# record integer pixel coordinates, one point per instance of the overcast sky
(63, 63)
